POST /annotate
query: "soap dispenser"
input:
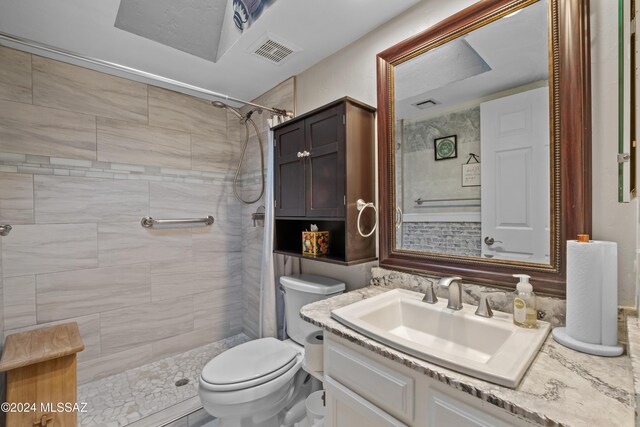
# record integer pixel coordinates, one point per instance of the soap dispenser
(524, 303)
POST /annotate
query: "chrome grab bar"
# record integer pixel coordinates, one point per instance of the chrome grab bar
(5, 229)
(148, 222)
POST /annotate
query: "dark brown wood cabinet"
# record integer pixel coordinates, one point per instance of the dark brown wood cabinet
(324, 162)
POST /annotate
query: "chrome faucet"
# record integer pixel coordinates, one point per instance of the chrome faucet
(455, 298)
(430, 296)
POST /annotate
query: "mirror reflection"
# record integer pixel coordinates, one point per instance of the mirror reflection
(472, 143)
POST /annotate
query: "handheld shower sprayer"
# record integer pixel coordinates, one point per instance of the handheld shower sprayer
(245, 119)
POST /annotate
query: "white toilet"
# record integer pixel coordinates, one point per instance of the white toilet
(253, 383)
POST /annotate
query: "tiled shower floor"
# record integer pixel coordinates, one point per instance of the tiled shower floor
(124, 398)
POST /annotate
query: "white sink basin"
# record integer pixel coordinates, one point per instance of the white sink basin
(490, 349)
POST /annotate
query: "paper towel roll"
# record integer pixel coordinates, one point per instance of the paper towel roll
(592, 290)
(313, 355)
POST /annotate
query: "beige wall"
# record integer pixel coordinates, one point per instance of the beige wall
(351, 71)
(83, 156)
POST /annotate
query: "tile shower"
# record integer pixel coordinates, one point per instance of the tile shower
(83, 157)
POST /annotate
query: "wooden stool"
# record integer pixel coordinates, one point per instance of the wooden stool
(41, 376)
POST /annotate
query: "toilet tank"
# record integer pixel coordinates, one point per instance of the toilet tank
(300, 290)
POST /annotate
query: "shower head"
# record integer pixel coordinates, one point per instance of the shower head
(220, 104)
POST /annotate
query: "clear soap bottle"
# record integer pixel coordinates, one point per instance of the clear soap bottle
(524, 303)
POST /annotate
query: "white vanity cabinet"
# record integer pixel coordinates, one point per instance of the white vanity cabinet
(366, 389)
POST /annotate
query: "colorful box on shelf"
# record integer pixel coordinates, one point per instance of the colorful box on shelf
(315, 242)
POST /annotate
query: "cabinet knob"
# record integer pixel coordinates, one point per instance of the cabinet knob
(300, 154)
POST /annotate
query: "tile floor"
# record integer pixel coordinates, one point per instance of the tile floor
(128, 397)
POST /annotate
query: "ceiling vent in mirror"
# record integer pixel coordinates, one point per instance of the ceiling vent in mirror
(271, 49)
(423, 105)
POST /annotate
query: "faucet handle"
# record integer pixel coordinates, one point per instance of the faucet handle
(430, 296)
(484, 309)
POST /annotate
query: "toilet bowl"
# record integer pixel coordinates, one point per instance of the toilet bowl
(252, 384)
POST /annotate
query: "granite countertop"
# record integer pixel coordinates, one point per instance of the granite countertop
(633, 348)
(561, 388)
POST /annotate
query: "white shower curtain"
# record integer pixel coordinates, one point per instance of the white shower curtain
(273, 265)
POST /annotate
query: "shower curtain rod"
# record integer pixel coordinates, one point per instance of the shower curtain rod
(5, 37)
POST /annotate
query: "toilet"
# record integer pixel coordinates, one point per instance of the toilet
(254, 383)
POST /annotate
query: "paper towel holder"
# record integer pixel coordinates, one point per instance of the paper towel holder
(562, 335)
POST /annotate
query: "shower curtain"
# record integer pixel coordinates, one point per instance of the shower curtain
(273, 265)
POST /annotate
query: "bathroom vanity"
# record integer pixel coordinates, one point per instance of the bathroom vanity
(369, 383)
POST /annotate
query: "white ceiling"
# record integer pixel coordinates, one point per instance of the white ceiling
(314, 28)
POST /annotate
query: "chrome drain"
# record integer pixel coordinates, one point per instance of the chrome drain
(182, 382)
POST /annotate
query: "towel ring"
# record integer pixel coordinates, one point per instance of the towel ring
(361, 205)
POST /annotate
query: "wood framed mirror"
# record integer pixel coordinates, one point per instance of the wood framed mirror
(484, 143)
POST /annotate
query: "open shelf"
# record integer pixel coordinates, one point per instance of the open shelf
(288, 239)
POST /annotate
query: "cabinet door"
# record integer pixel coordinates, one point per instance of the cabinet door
(348, 409)
(325, 175)
(446, 410)
(289, 170)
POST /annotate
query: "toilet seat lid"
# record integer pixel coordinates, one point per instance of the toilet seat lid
(249, 364)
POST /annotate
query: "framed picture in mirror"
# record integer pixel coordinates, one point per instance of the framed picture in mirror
(446, 147)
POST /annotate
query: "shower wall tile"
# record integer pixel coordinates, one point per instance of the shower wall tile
(184, 200)
(81, 161)
(235, 267)
(114, 363)
(224, 236)
(83, 292)
(130, 327)
(130, 243)
(235, 129)
(60, 199)
(215, 242)
(211, 309)
(29, 129)
(19, 301)
(178, 111)
(15, 75)
(181, 343)
(89, 331)
(214, 152)
(172, 279)
(37, 249)
(120, 141)
(16, 198)
(73, 88)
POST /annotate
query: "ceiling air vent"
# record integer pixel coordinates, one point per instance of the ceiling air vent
(271, 50)
(423, 105)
